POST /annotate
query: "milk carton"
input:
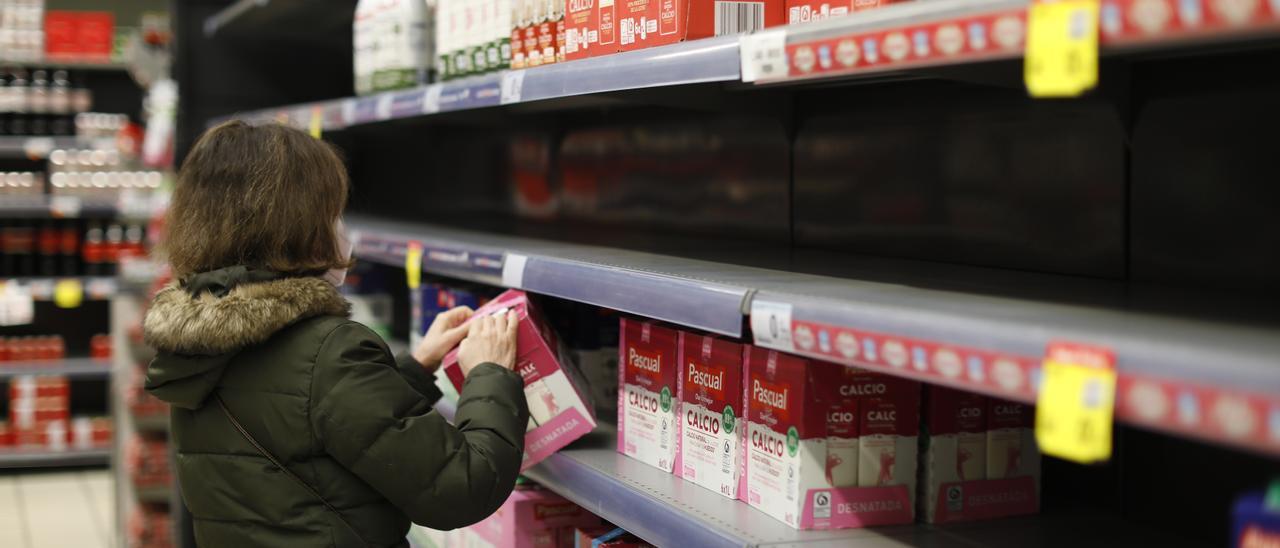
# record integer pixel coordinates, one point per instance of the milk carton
(1008, 481)
(649, 23)
(712, 437)
(559, 408)
(1011, 441)
(530, 518)
(843, 427)
(889, 410)
(647, 404)
(955, 446)
(789, 407)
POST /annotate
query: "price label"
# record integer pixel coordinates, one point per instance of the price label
(16, 305)
(68, 293)
(513, 270)
(431, 102)
(512, 86)
(771, 325)
(1062, 47)
(1076, 404)
(764, 55)
(413, 265)
(317, 121)
(38, 148)
(65, 206)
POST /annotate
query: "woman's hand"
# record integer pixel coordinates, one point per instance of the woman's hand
(444, 334)
(492, 340)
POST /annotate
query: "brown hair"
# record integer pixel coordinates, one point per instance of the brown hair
(264, 196)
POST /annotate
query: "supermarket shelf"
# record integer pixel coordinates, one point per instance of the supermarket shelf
(95, 288)
(76, 368)
(67, 63)
(62, 207)
(33, 147)
(41, 459)
(667, 511)
(701, 61)
(1217, 381)
(948, 32)
(674, 290)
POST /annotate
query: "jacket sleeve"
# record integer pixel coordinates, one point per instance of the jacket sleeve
(419, 378)
(380, 428)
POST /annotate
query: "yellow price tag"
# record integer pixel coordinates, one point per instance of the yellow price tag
(413, 265)
(1062, 47)
(1076, 404)
(68, 293)
(317, 119)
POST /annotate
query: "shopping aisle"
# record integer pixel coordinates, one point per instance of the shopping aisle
(56, 509)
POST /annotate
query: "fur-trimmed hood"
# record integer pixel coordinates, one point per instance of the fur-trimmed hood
(197, 326)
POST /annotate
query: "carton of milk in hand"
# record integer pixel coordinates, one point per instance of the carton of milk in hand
(559, 410)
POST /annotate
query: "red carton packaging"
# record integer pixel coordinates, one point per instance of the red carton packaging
(649, 23)
(889, 428)
(559, 411)
(530, 518)
(605, 28)
(712, 440)
(804, 11)
(647, 383)
(967, 434)
(788, 407)
(580, 29)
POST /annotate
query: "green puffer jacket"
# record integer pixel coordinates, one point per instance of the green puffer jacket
(325, 396)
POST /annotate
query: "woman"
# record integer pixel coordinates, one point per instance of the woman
(294, 426)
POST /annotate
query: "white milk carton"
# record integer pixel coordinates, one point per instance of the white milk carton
(712, 431)
(647, 404)
(889, 408)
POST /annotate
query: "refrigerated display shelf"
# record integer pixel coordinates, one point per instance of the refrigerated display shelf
(75, 368)
(52, 207)
(14, 458)
(1217, 381)
(278, 20)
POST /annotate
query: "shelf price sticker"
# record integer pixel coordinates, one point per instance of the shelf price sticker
(771, 325)
(1075, 408)
(66, 207)
(512, 86)
(764, 55)
(17, 307)
(513, 270)
(1062, 47)
(68, 293)
(413, 264)
(316, 124)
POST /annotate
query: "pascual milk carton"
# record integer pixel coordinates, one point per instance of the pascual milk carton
(712, 428)
(647, 403)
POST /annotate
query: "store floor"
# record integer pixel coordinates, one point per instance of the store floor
(48, 509)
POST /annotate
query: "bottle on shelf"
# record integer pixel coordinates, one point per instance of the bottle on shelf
(112, 245)
(18, 102)
(38, 103)
(69, 249)
(93, 250)
(60, 104)
(81, 96)
(48, 249)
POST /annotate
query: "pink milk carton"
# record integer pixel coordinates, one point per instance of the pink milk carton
(647, 403)
(559, 410)
(712, 430)
(889, 426)
(530, 518)
(789, 407)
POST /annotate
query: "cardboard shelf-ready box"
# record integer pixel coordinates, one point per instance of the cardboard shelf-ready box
(803, 422)
(559, 409)
(980, 459)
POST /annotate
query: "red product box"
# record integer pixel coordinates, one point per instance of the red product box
(559, 410)
(580, 24)
(889, 428)
(961, 427)
(788, 407)
(649, 23)
(79, 34)
(532, 51)
(6, 434)
(604, 28)
(648, 403)
(860, 5)
(531, 517)
(804, 11)
(711, 441)
(518, 58)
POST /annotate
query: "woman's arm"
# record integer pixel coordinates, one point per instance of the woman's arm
(373, 422)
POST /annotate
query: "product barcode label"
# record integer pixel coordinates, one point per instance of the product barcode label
(736, 17)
